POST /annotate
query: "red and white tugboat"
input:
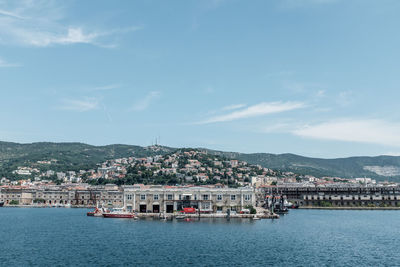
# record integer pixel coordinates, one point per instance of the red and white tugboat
(119, 213)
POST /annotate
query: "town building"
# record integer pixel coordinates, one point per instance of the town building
(340, 195)
(169, 199)
(108, 195)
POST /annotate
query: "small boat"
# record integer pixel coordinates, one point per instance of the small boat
(118, 213)
(1, 204)
(256, 218)
(180, 217)
(96, 213)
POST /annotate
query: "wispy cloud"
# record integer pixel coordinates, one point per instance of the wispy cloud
(106, 87)
(350, 130)
(41, 24)
(232, 107)
(10, 14)
(5, 64)
(68, 36)
(254, 111)
(80, 105)
(145, 102)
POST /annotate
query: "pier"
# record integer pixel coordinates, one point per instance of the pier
(209, 215)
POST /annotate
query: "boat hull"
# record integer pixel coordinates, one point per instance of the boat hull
(96, 213)
(111, 215)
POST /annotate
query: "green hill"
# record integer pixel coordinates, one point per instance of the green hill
(77, 156)
(69, 156)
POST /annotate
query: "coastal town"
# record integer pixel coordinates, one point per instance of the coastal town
(188, 178)
(185, 166)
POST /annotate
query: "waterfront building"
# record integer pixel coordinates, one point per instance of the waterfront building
(340, 195)
(109, 195)
(10, 195)
(169, 199)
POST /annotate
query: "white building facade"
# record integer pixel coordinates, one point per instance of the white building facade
(164, 199)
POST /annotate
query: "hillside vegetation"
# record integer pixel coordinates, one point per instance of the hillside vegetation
(77, 156)
(69, 156)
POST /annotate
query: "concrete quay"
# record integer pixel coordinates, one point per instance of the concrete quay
(207, 215)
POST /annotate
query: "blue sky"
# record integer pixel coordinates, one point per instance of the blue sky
(312, 77)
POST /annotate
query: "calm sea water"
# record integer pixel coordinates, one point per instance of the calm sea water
(59, 237)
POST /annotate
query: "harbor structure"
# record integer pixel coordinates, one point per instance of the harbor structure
(110, 195)
(338, 195)
(138, 198)
(205, 199)
(169, 199)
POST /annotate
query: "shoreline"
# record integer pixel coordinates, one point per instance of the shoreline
(169, 215)
(348, 208)
(209, 215)
(214, 214)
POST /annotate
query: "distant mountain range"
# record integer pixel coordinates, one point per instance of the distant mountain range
(76, 156)
(380, 167)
